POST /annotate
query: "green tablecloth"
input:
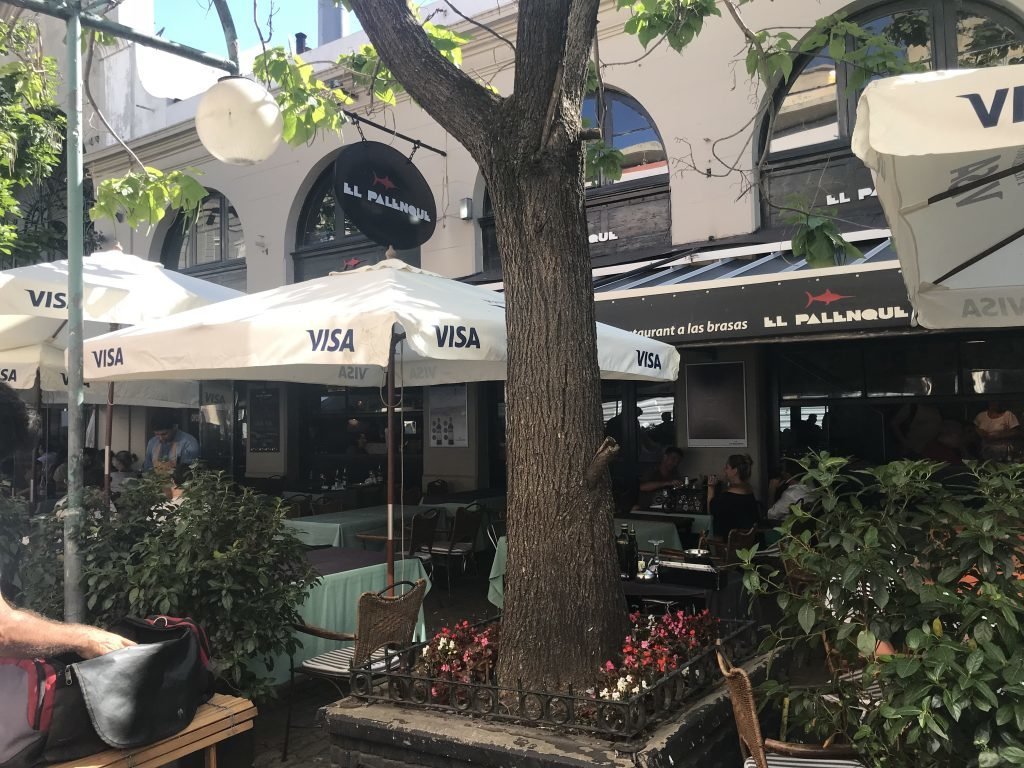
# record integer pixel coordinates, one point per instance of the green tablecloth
(332, 605)
(496, 585)
(339, 529)
(651, 529)
(644, 530)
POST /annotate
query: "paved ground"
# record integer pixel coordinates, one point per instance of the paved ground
(308, 745)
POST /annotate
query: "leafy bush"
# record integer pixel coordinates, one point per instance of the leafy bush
(14, 527)
(220, 554)
(912, 579)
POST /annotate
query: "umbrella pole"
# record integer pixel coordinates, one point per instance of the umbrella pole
(109, 430)
(390, 549)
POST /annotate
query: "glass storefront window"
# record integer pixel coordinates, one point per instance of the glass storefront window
(809, 113)
(925, 368)
(817, 372)
(344, 431)
(984, 42)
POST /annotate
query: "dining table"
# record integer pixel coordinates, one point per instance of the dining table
(651, 530)
(332, 603)
(340, 529)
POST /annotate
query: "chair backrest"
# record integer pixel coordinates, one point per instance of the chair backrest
(437, 488)
(387, 622)
(423, 528)
(744, 709)
(739, 539)
(466, 524)
(299, 505)
(327, 504)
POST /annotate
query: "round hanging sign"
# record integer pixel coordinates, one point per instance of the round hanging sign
(384, 195)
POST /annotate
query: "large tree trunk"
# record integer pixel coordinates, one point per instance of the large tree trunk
(564, 607)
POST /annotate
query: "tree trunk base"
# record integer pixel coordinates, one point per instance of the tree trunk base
(701, 734)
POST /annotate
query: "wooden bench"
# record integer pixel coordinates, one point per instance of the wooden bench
(219, 719)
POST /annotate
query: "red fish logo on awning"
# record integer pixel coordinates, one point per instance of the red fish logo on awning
(825, 298)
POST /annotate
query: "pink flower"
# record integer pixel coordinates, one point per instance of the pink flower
(484, 641)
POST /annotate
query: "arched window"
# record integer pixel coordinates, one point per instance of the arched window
(816, 111)
(626, 217)
(214, 235)
(212, 245)
(327, 241)
(627, 127)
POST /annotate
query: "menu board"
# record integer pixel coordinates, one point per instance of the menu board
(447, 420)
(716, 405)
(265, 420)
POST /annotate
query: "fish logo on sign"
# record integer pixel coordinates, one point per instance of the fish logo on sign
(825, 298)
(384, 182)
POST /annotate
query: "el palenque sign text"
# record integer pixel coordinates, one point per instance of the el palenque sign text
(859, 301)
(384, 195)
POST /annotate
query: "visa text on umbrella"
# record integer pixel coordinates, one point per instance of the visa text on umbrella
(49, 299)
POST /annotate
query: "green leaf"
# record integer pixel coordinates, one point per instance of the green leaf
(866, 643)
(1013, 755)
(975, 661)
(806, 617)
(988, 759)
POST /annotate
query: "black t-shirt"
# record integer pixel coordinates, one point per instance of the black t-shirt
(732, 510)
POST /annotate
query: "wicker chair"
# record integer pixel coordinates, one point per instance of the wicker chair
(382, 623)
(759, 752)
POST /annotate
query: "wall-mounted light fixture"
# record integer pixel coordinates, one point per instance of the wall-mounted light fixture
(466, 208)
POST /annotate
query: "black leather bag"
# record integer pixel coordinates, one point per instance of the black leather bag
(133, 696)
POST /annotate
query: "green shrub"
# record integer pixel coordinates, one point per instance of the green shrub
(221, 555)
(927, 564)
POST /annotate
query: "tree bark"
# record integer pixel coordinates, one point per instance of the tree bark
(564, 607)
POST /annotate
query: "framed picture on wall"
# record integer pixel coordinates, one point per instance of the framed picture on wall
(716, 405)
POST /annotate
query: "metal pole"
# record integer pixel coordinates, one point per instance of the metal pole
(390, 549)
(74, 600)
(92, 21)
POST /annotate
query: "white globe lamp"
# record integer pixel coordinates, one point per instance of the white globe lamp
(238, 121)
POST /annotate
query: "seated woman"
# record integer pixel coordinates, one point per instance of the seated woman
(735, 507)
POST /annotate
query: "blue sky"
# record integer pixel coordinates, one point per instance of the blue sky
(194, 23)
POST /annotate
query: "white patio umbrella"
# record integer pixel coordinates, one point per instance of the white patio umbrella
(351, 328)
(119, 289)
(42, 365)
(947, 152)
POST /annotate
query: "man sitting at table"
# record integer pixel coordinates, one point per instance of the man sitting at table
(169, 446)
(664, 475)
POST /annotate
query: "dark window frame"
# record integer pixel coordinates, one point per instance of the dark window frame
(598, 194)
(179, 235)
(942, 27)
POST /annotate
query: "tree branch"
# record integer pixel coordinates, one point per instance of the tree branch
(462, 107)
(481, 25)
(96, 106)
(553, 48)
(227, 23)
(598, 468)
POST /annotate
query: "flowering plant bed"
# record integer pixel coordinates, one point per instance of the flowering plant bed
(665, 661)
